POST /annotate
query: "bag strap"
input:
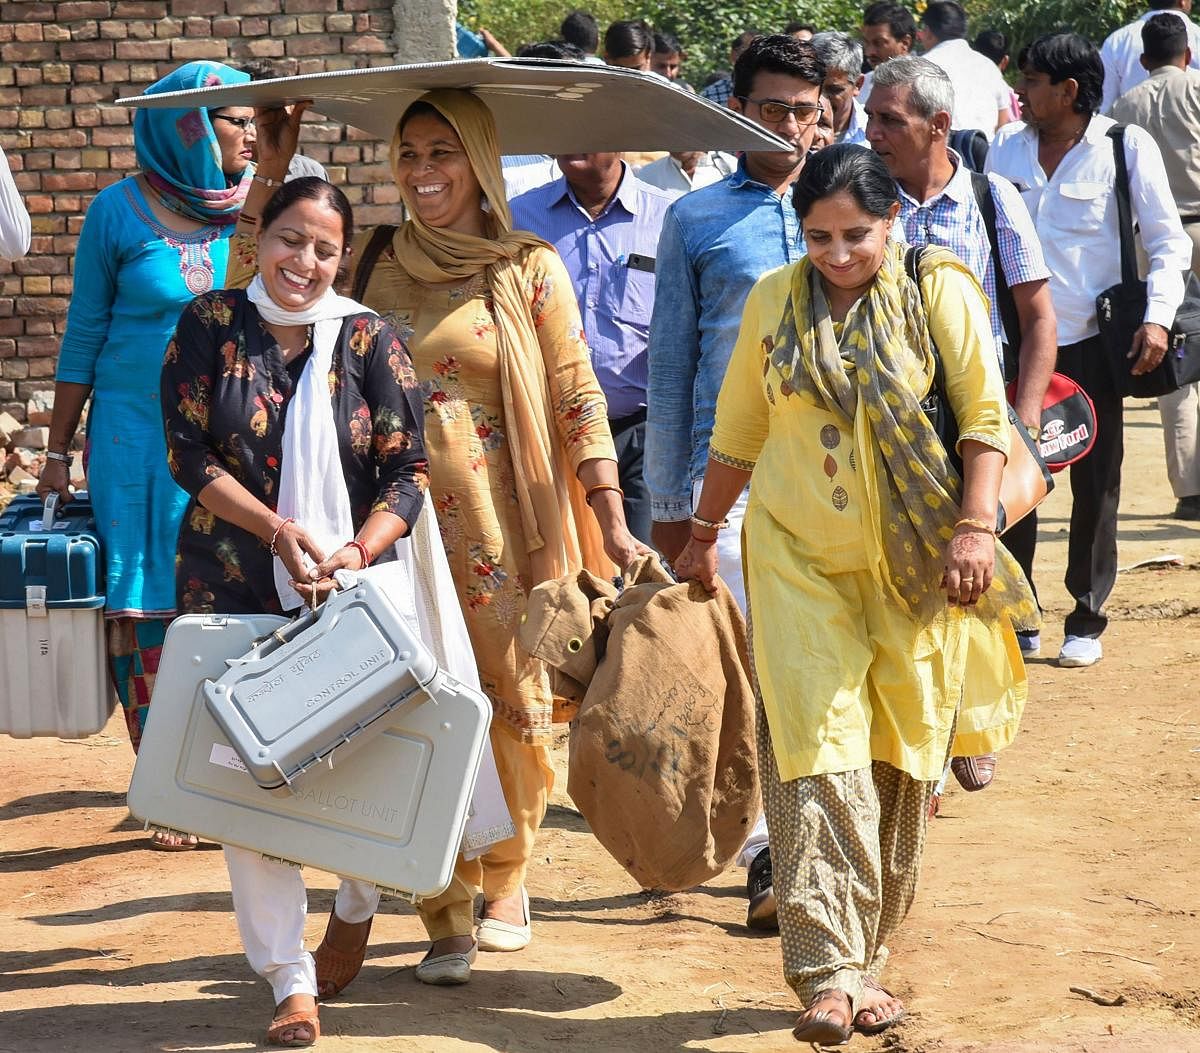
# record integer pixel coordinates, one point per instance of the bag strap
(380, 239)
(1129, 275)
(1006, 306)
(912, 267)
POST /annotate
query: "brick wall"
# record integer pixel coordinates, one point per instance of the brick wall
(62, 64)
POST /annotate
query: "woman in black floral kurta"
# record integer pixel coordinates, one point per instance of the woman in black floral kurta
(225, 393)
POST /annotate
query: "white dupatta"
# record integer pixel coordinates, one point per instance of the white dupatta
(312, 490)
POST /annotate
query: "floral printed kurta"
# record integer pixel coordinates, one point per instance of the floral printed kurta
(225, 397)
(451, 333)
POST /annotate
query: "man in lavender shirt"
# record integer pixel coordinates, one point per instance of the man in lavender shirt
(605, 224)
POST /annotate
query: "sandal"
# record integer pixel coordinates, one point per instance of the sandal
(974, 773)
(172, 841)
(336, 969)
(293, 1021)
(875, 1027)
(821, 1028)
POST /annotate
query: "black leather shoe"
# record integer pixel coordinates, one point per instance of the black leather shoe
(763, 912)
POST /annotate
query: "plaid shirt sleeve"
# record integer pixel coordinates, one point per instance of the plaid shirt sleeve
(1020, 249)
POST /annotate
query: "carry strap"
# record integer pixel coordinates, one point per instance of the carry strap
(912, 267)
(1005, 304)
(1129, 274)
(380, 239)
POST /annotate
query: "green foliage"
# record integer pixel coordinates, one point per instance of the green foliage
(706, 27)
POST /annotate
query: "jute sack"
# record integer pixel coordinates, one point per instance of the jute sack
(662, 759)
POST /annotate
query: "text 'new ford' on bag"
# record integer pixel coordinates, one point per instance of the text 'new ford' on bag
(1121, 309)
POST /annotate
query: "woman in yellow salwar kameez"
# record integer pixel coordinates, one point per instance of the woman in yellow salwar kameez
(870, 566)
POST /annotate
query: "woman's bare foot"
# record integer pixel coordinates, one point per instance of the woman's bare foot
(878, 1010)
(451, 945)
(300, 1032)
(510, 909)
(825, 1020)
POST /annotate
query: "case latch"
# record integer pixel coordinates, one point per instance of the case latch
(35, 601)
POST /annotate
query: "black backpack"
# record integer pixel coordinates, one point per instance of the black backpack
(971, 145)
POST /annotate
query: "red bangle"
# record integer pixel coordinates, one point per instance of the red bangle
(362, 551)
(703, 540)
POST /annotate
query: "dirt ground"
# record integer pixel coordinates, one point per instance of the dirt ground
(1077, 869)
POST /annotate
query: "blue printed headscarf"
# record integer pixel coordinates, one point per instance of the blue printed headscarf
(178, 152)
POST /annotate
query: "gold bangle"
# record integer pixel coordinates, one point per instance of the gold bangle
(976, 524)
(600, 488)
(267, 181)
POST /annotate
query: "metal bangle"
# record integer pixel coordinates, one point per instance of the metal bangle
(268, 181)
(65, 458)
(710, 524)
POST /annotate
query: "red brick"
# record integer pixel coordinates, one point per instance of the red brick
(185, 50)
(143, 49)
(168, 28)
(27, 31)
(114, 30)
(43, 12)
(56, 73)
(39, 305)
(365, 45)
(199, 7)
(63, 139)
(69, 181)
(197, 27)
(284, 26)
(227, 27)
(70, 10)
(104, 179)
(115, 116)
(27, 52)
(310, 65)
(65, 245)
(45, 97)
(12, 368)
(142, 30)
(40, 265)
(142, 73)
(85, 31)
(10, 97)
(11, 326)
(253, 7)
(131, 9)
(7, 33)
(317, 44)
(60, 285)
(264, 47)
(114, 72)
(93, 50)
(112, 137)
(122, 160)
(86, 73)
(38, 204)
(87, 116)
(92, 93)
(304, 7)
(55, 32)
(26, 75)
(73, 225)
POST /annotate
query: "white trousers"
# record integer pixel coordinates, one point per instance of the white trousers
(270, 903)
(729, 556)
(1180, 414)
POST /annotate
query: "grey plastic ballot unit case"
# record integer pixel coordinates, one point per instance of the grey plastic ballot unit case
(324, 684)
(394, 815)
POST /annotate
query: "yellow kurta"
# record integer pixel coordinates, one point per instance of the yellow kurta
(848, 676)
(451, 334)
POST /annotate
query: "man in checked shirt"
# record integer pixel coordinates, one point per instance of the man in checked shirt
(908, 125)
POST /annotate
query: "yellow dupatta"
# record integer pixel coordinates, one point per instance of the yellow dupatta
(561, 534)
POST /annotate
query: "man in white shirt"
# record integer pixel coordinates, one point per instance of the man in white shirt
(15, 228)
(981, 98)
(684, 172)
(1061, 160)
(1167, 105)
(1121, 53)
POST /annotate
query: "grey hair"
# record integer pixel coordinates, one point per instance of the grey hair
(840, 51)
(930, 88)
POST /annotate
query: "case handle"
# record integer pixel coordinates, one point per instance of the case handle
(49, 510)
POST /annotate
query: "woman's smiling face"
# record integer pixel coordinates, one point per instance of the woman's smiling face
(436, 175)
(845, 243)
(299, 253)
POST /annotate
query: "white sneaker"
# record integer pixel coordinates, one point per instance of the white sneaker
(1079, 651)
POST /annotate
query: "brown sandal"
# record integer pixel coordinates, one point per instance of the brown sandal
(336, 969)
(821, 1028)
(974, 773)
(305, 1018)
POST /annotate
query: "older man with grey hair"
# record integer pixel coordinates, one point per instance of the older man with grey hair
(943, 203)
(843, 58)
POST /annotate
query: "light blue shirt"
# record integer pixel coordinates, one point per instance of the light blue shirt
(716, 243)
(615, 296)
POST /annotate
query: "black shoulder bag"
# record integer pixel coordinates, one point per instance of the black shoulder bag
(380, 239)
(1121, 309)
(1006, 306)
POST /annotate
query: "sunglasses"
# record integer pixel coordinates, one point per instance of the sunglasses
(775, 112)
(244, 123)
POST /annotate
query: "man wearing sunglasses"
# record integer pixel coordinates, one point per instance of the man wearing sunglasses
(716, 243)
